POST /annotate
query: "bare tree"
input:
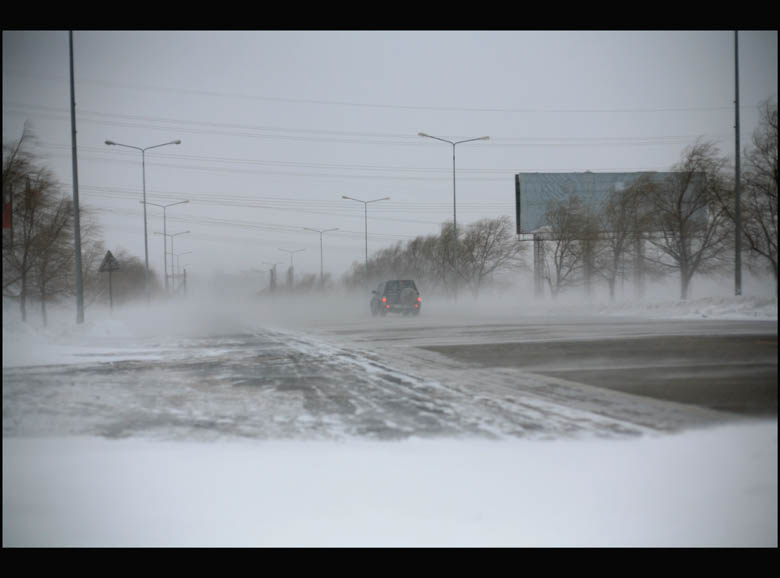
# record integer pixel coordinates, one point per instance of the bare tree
(17, 166)
(419, 261)
(38, 253)
(37, 211)
(486, 248)
(52, 270)
(688, 218)
(759, 198)
(566, 227)
(18, 163)
(489, 246)
(93, 252)
(624, 220)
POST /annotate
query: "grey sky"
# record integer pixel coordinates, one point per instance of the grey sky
(276, 126)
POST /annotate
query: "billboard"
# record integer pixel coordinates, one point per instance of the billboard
(533, 191)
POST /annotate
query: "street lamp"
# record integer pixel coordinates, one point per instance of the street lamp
(177, 255)
(272, 282)
(320, 231)
(365, 207)
(143, 169)
(171, 235)
(454, 216)
(165, 242)
(292, 252)
(291, 271)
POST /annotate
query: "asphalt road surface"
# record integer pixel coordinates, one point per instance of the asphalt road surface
(727, 366)
(736, 373)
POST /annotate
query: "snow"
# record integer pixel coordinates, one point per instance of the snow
(704, 308)
(702, 487)
(698, 488)
(112, 335)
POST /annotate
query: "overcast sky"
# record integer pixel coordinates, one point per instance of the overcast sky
(276, 126)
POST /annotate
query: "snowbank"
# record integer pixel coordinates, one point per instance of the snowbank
(758, 308)
(700, 488)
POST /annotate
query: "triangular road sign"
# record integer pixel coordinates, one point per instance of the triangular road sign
(109, 263)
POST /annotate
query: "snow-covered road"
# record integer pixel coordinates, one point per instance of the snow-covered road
(278, 385)
(275, 384)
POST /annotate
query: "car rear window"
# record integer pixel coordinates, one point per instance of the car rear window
(398, 286)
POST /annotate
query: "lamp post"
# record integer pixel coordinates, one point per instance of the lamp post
(165, 242)
(321, 231)
(143, 173)
(454, 215)
(185, 277)
(365, 207)
(272, 282)
(292, 252)
(172, 235)
(291, 271)
(177, 255)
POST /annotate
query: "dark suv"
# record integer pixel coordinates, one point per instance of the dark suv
(399, 296)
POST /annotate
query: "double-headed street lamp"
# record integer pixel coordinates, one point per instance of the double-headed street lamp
(321, 231)
(365, 207)
(272, 282)
(143, 169)
(292, 252)
(171, 235)
(291, 271)
(177, 255)
(454, 214)
(165, 232)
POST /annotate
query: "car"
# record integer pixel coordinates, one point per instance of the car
(396, 296)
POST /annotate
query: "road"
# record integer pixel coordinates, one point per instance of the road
(396, 378)
(723, 365)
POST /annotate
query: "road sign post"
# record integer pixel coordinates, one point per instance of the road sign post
(109, 265)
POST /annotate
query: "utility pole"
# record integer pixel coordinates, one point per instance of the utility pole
(737, 211)
(76, 223)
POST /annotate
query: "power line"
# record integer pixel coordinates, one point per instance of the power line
(413, 177)
(248, 225)
(305, 206)
(404, 139)
(290, 100)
